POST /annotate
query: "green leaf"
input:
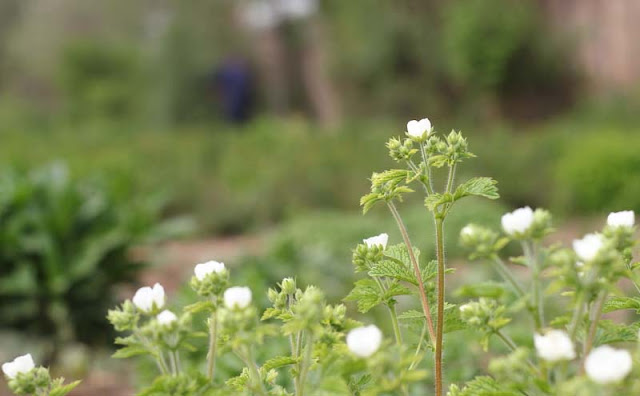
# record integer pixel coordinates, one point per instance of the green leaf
(620, 303)
(393, 269)
(478, 186)
(279, 361)
(433, 201)
(130, 351)
(610, 332)
(396, 289)
(62, 390)
(369, 200)
(366, 294)
(482, 386)
(200, 306)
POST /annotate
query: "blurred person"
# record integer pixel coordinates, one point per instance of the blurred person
(232, 85)
(268, 20)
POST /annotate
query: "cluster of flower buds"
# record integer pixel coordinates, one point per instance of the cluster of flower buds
(526, 223)
(482, 242)
(369, 252)
(401, 151)
(485, 314)
(210, 279)
(24, 378)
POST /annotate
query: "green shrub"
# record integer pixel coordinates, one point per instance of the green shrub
(63, 251)
(599, 172)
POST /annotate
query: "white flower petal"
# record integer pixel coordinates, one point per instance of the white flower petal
(204, 269)
(21, 364)
(166, 317)
(364, 341)
(555, 345)
(237, 297)
(378, 240)
(588, 247)
(621, 219)
(518, 221)
(606, 365)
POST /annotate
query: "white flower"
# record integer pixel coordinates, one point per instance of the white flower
(587, 247)
(621, 219)
(517, 221)
(166, 317)
(465, 307)
(467, 230)
(420, 128)
(364, 341)
(379, 240)
(554, 345)
(202, 270)
(21, 364)
(146, 298)
(605, 364)
(237, 297)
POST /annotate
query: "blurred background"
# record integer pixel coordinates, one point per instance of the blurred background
(138, 138)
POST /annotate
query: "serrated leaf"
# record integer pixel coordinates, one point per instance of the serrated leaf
(396, 289)
(478, 186)
(433, 201)
(270, 312)
(279, 361)
(393, 269)
(369, 200)
(62, 390)
(485, 386)
(619, 303)
(611, 332)
(366, 294)
(130, 351)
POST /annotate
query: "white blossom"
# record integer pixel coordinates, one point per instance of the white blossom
(364, 341)
(467, 230)
(587, 247)
(202, 270)
(21, 364)
(166, 317)
(237, 297)
(554, 345)
(146, 298)
(605, 364)
(378, 240)
(419, 129)
(517, 221)
(625, 218)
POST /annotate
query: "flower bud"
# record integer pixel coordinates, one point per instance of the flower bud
(288, 286)
(419, 129)
(588, 247)
(364, 341)
(166, 318)
(555, 345)
(621, 219)
(21, 364)
(481, 241)
(148, 299)
(202, 270)
(378, 240)
(605, 365)
(237, 297)
(518, 222)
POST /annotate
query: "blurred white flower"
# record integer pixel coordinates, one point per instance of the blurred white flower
(554, 345)
(605, 364)
(517, 221)
(21, 364)
(380, 240)
(204, 269)
(467, 230)
(625, 218)
(364, 341)
(237, 297)
(146, 298)
(587, 247)
(166, 317)
(419, 129)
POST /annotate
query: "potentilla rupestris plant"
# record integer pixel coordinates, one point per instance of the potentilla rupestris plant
(568, 350)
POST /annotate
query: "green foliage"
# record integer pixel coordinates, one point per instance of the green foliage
(595, 173)
(63, 249)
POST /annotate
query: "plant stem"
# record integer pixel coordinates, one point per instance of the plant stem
(577, 315)
(429, 184)
(502, 269)
(512, 346)
(394, 322)
(253, 371)
(440, 302)
(536, 297)
(213, 341)
(452, 172)
(419, 347)
(416, 269)
(594, 318)
(306, 363)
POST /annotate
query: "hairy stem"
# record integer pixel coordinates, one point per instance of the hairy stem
(594, 318)
(394, 322)
(416, 269)
(577, 315)
(213, 341)
(440, 302)
(306, 364)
